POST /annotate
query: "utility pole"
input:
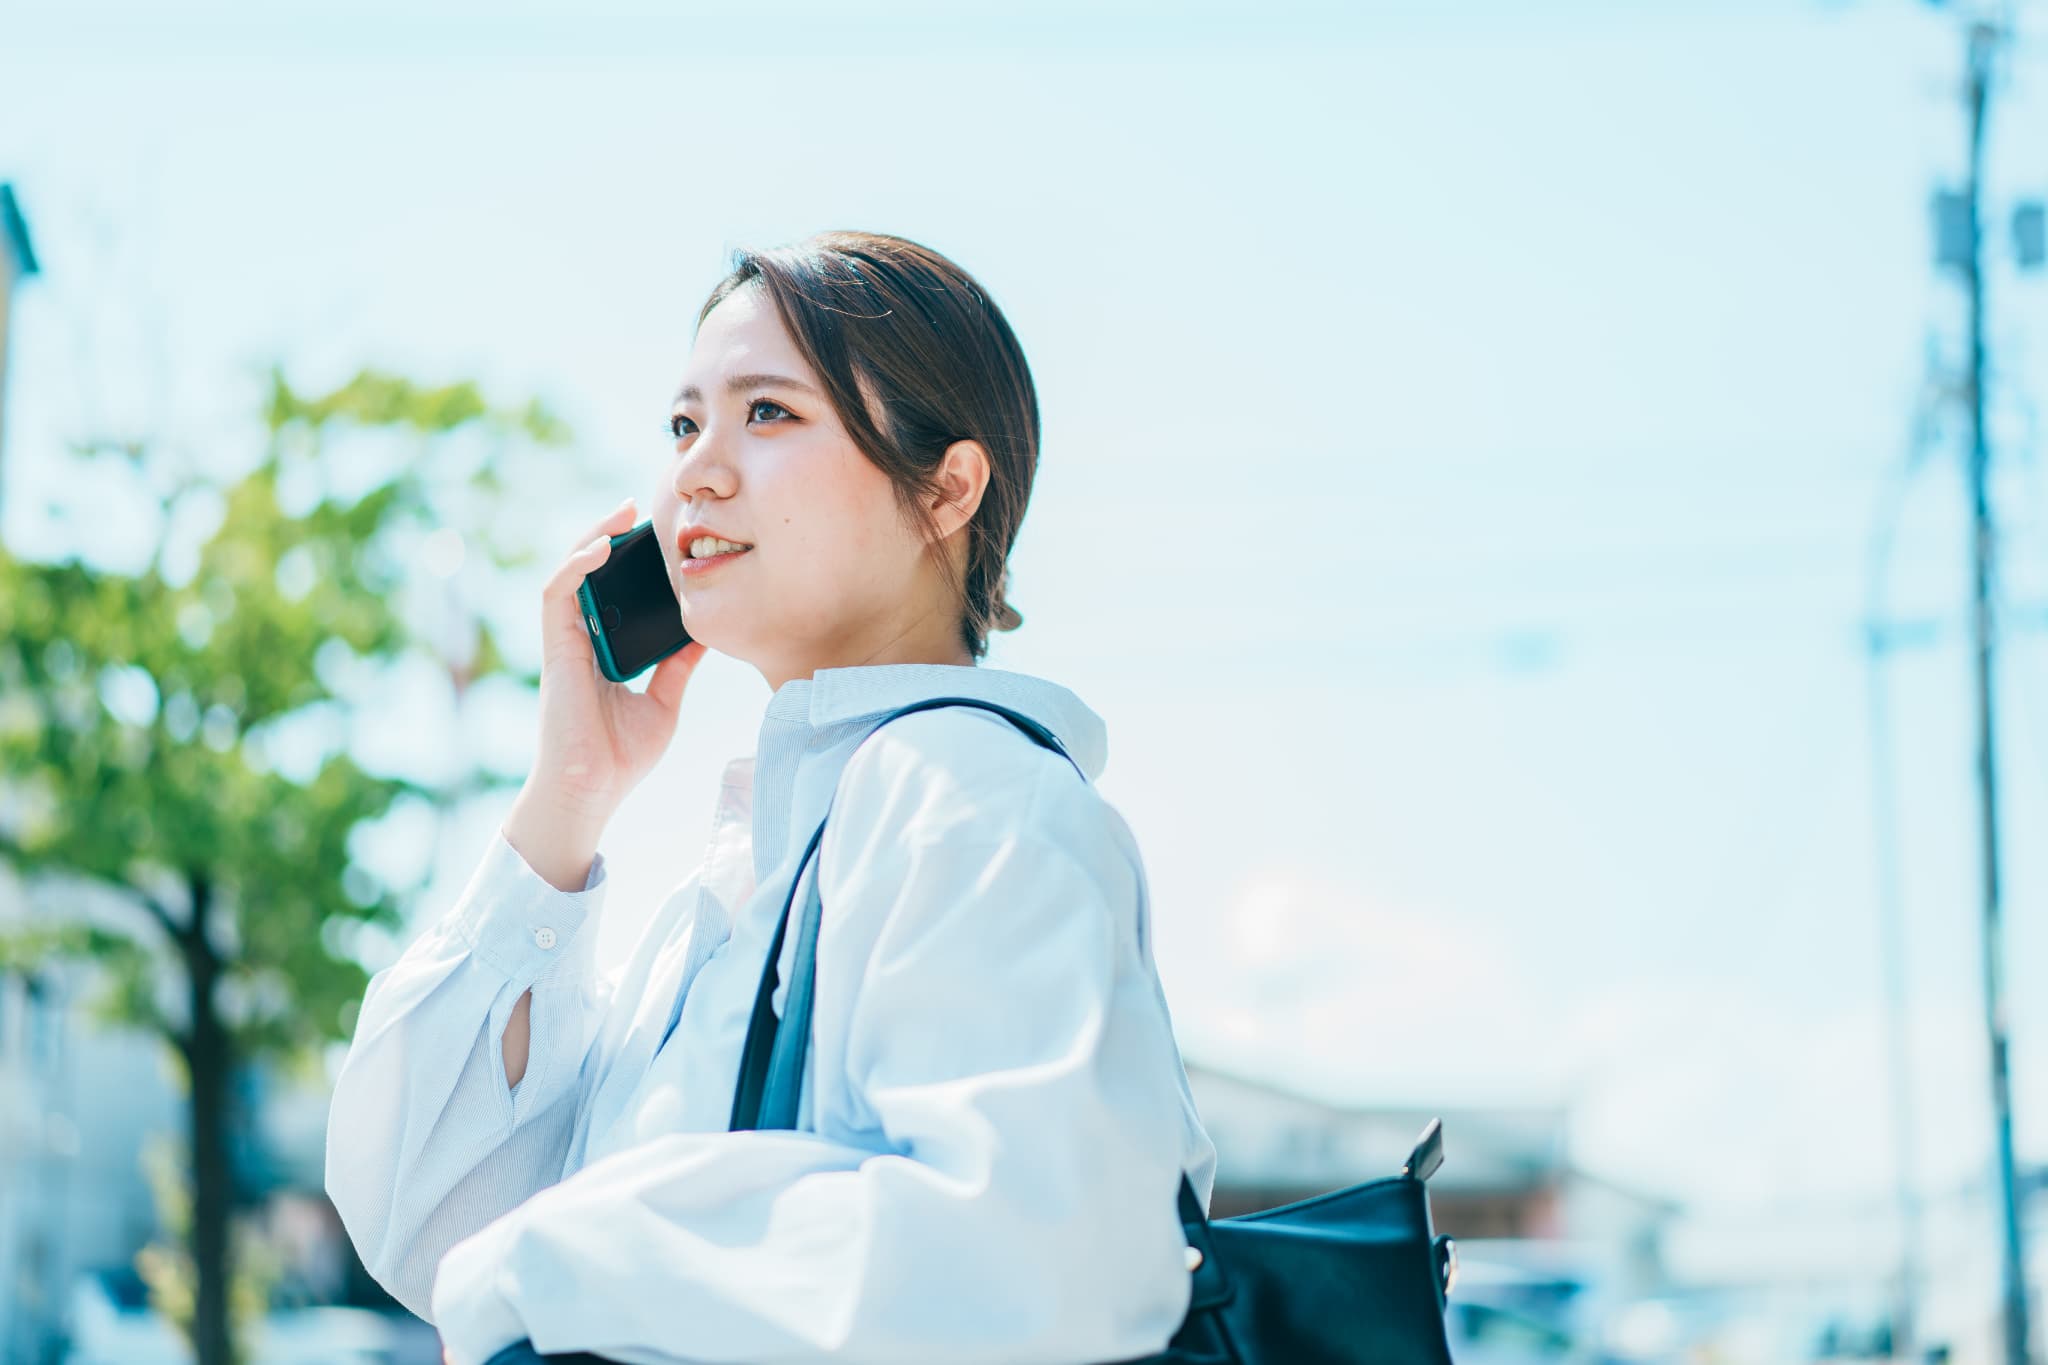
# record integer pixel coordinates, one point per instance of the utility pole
(1985, 39)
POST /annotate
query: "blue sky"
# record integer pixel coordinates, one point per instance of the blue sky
(1540, 377)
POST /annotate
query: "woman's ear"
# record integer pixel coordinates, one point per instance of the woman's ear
(962, 479)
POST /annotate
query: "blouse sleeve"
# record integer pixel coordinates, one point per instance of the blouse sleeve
(426, 1143)
(1006, 1042)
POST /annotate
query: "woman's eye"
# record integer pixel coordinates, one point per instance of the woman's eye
(676, 421)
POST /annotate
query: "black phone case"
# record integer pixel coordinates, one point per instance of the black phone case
(593, 619)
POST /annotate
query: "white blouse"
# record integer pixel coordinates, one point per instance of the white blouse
(994, 1117)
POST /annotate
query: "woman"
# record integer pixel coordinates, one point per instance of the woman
(995, 1117)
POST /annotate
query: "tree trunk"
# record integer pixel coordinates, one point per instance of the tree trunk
(210, 1056)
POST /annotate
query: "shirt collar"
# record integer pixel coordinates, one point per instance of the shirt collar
(833, 696)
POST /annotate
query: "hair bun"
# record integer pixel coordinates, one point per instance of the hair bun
(1005, 616)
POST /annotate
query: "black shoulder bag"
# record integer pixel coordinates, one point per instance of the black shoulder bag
(1353, 1277)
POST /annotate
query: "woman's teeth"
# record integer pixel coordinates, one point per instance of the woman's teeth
(703, 547)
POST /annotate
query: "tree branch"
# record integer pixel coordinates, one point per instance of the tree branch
(196, 939)
(161, 913)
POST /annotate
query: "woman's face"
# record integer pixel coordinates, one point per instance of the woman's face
(834, 574)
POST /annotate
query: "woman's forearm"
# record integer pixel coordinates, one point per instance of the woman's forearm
(516, 1038)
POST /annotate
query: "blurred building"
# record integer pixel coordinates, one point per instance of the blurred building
(78, 1105)
(33, 1165)
(1507, 1176)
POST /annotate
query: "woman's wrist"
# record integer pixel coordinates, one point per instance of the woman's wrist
(557, 838)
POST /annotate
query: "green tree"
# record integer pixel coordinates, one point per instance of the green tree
(138, 718)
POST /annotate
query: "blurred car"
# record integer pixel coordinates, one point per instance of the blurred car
(1520, 1300)
(1493, 1334)
(335, 1336)
(108, 1321)
(111, 1323)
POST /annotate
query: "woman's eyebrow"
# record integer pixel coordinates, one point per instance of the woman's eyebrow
(690, 393)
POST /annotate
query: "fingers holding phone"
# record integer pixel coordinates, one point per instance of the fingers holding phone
(598, 737)
(672, 674)
(561, 614)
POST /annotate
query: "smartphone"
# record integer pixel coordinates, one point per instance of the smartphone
(630, 607)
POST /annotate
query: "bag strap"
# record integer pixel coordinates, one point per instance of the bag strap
(772, 1062)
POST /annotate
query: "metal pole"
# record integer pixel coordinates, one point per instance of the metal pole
(1984, 40)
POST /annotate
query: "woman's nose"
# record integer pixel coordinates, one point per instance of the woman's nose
(701, 470)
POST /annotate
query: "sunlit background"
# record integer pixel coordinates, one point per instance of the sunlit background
(1479, 441)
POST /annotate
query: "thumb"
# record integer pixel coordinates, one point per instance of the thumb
(672, 674)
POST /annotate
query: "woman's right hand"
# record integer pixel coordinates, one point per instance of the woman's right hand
(598, 738)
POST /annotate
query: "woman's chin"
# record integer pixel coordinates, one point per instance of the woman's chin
(708, 630)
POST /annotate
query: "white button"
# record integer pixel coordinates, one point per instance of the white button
(543, 937)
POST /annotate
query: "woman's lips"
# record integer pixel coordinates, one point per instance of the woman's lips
(697, 566)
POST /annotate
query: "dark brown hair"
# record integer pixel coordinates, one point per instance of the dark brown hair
(914, 356)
